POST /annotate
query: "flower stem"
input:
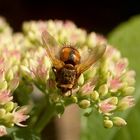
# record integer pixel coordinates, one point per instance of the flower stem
(49, 111)
(45, 118)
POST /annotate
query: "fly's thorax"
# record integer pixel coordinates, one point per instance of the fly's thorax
(70, 55)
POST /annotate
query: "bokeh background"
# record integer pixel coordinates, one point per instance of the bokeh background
(99, 16)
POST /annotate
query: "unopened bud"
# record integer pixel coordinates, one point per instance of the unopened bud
(90, 73)
(9, 75)
(25, 70)
(62, 35)
(116, 55)
(8, 118)
(2, 113)
(131, 81)
(84, 104)
(9, 106)
(128, 90)
(3, 85)
(123, 106)
(114, 100)
(92, 39)
(31, 36)
(13, 84)
(118, 121)
(74, 99)
(103, 90)
(94, 96)
(81, 80)
(104, 68)
(108, 123)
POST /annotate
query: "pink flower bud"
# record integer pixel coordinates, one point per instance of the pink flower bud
(129, 77)
(108, 105)
(112, 52)
(114, 84)
(3, 131)
(5, 97)
(87, 88)
(126, 103)
(120, 66)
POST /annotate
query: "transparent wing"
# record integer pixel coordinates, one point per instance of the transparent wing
(52, 48)
(93, 56)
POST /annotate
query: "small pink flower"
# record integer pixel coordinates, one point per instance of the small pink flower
(87, 88)
(14, 83)
(107, 105)
(41, 71)
(3, 131)
(114, 84)
(5, 97)
(20, 115)
(110, 51)
(127, 102)
(120, 66)
(129, 77)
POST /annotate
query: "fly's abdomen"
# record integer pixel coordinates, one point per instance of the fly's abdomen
(67, 76)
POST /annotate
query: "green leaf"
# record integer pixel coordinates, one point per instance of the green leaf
(5, 138)
(93, 128)
(24, 134)
(126, 37)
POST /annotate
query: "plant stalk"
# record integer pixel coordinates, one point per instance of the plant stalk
(45, 119)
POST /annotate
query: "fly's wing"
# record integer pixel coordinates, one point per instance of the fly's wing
(52, 48)
(93, 56)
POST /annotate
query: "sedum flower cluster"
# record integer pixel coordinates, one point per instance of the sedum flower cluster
(106, 87)
(10, 112)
